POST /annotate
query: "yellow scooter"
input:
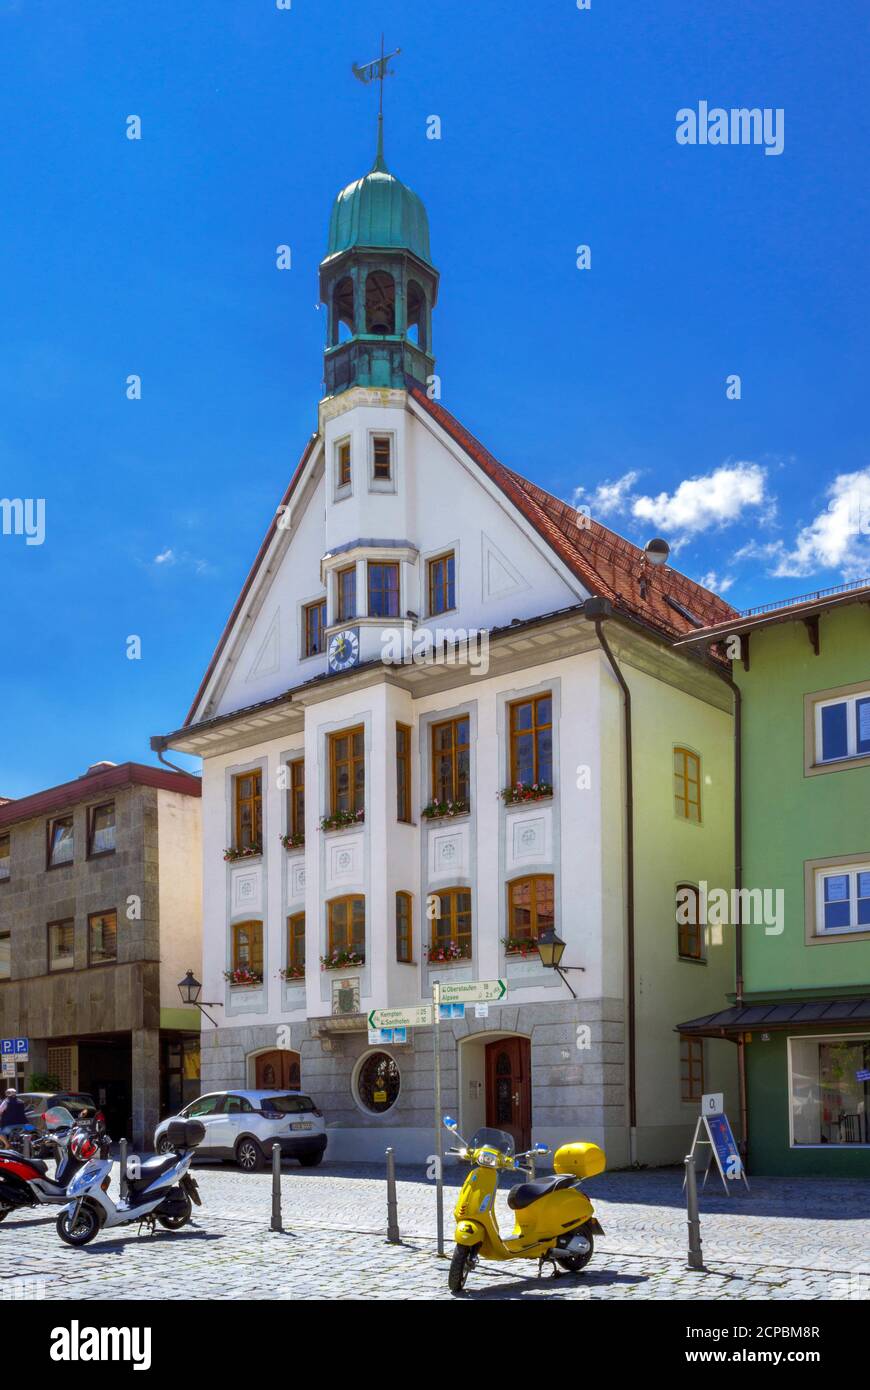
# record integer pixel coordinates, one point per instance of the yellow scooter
(554, 1221)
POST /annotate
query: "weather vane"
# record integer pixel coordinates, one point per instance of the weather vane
(376, 71)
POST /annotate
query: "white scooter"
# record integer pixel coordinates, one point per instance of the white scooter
(159, 1189)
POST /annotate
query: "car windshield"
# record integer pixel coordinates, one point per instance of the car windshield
(286, 1105)
(75, 1104)
(495, 1139)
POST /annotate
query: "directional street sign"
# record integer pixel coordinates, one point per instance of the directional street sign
(473, 991)
(414, 1016)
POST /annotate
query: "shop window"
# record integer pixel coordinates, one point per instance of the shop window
(830, 1102)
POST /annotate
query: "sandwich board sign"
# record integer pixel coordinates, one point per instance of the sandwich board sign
(713, 1132)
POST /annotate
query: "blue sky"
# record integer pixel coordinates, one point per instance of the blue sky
(156, 257)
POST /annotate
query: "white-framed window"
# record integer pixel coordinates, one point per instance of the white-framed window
(382, 461)
(342, 458)
(829, 1093)
(842, 899)
(843, 727)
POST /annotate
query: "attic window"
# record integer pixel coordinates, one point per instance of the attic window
(684, 612)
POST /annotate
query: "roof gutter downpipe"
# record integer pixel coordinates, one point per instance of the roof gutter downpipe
(743, 1091)
(158, 745)
(596, 611)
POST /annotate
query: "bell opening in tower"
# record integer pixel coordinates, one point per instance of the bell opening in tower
(380, 303)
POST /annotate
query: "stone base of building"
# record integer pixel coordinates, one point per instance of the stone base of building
(556, 1070)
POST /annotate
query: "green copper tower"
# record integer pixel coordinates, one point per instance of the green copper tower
(377, 279)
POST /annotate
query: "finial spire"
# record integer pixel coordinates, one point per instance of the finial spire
(376, 71)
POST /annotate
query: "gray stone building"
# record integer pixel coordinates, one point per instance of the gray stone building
(100, 918)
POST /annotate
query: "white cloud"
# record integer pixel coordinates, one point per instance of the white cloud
(838, 538)
(608, 496)
(714, 500)
(166, 557)
(712, 581)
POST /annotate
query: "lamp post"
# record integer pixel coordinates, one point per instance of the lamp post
(189, 989)
(551, 949)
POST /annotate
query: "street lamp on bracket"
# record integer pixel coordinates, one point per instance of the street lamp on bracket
(189, 989)
(551, 949)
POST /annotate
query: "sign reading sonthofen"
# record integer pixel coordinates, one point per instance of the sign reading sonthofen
(414, 1016)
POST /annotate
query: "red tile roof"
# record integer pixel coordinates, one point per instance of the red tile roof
(85, 788)
(607, 564)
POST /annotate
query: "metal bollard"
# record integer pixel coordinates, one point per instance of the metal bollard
(393, 1233)
(276, 1188)
(25, 1146)
(695, 1258)
(122, 1159)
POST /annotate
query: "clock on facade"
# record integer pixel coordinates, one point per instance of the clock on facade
(343, 651)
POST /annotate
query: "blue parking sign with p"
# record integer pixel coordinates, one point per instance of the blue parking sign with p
(14, 1047)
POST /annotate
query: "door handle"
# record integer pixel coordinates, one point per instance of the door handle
(516, 1098)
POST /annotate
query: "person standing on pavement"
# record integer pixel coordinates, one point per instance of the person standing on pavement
(12, 1112)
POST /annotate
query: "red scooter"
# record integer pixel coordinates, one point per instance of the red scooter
(24, 1181)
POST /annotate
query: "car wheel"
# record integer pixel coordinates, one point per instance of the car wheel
(164, 1146)
(249, 1156)
(310, 1160)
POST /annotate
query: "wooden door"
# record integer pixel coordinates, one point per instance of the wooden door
(509, 1089)
(277, 1071)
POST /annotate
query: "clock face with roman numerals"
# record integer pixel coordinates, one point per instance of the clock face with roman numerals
(343, 651)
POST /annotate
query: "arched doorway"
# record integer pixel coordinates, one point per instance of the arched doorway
(278, 1070)
(509, 1088)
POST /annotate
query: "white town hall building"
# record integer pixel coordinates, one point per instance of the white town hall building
(364, 827)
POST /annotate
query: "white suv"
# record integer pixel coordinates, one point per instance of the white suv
(243, 1125)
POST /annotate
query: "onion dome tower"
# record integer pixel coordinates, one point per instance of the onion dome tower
(378, 283)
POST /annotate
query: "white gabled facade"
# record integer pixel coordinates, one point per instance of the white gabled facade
(541, 1062)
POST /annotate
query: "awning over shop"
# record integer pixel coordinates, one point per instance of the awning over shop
(794, 1013)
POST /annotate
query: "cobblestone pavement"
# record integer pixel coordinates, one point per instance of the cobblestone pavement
(784, 1240)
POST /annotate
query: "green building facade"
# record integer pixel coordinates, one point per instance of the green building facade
(801, 1007)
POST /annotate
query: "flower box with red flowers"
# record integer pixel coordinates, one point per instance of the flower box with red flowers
(243, 977)
(525, 791)
(340, 960)
(521, 946)
(446, 810)
(251, 852)
(449, 951)
(293, 841)
(292, 972)
(340, 820)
